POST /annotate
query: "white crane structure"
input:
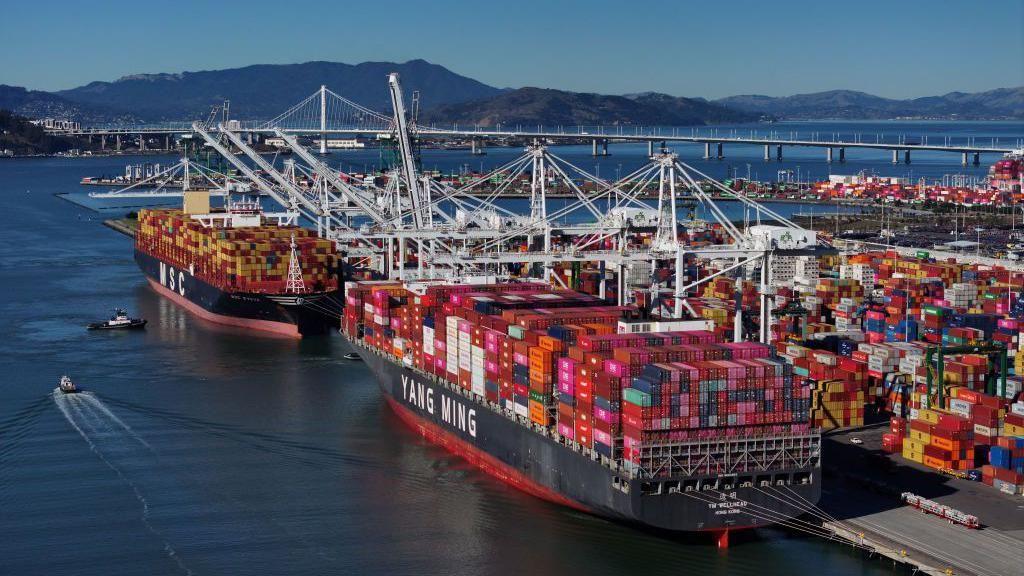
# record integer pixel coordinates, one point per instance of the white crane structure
(469, 230)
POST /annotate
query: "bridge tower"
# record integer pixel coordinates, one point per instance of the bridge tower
(323, 119)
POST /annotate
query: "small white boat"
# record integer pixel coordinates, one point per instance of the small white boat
(66, 385)
(353, 356)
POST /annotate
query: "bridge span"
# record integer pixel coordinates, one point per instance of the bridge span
(325, 113)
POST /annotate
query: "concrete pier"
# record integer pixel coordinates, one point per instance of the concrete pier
(906, 156)
(977, 159)
(864, 487)
(778, 152)
(604, 148)
(842, 155)
(650, 148)
(767, 152)
(720, 154)
(828, 155)
(963, 159)
(895, 156)
(117, 142)
(707, 150)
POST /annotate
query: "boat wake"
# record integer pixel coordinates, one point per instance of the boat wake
(153, 483)
(115, 443)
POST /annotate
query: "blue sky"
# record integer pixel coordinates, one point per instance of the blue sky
(893, 48)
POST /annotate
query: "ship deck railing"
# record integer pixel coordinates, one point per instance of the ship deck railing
(713, 457)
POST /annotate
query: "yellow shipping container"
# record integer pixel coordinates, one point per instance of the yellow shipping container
(920, 436)
(929, 416)
(913, 445)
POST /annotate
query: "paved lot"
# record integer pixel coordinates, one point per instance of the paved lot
(861, 489)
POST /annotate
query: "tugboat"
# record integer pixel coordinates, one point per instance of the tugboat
(66, 385)
(119, 321)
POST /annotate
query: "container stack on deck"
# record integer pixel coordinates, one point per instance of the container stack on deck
(252, 259)
(554, 357)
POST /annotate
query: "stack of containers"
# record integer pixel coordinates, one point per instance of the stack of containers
(705, 395)
(934, 319)
(874, 326)
(969, 371)
(1005, 470)
(838, 404)
(940, 440)
(252, 259)
(892, 441)
(553, 357)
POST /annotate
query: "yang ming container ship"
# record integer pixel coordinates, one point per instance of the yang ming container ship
(241, 267)
(564, 397)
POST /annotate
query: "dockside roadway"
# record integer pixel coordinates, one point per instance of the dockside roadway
(862, 488)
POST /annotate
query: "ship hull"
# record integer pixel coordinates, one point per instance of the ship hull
(541, 465)
(283, 315)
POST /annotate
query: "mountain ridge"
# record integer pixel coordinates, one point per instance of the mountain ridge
(262, 91)
(999, 103)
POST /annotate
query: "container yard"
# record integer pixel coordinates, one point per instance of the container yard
(617, 355)
(687, 375)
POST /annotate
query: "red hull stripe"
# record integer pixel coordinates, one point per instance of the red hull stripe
(479, 458)
(279, 328)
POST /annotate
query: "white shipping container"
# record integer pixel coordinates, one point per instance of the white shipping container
(958, 406)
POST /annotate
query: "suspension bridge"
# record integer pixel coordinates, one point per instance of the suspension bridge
(326, 113)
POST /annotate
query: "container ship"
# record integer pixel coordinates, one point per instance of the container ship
(583, 404)
(241, 267)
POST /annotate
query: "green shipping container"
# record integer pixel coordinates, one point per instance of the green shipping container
(517, 332)
(538, 396)
(637, 397)
(922, 254)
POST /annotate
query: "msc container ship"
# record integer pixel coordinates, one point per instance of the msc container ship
(238, 267)
(540, 389)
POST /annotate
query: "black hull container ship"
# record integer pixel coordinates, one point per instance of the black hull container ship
(235, 267)
(712, 479)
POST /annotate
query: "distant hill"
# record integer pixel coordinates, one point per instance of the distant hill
(38, 104)
(264, 91)
(532, 106)
(21, 137)
(1000, 104)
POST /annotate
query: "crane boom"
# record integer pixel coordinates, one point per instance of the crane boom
(405, 147)
(332, 177)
